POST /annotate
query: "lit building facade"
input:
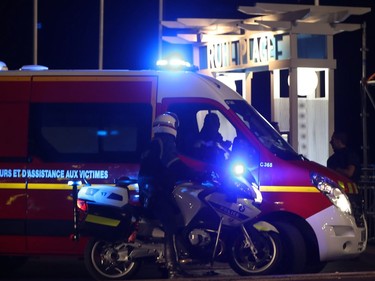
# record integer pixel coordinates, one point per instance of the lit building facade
(294, 44)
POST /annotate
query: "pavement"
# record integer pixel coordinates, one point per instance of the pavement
(73, 269)
(360, 268)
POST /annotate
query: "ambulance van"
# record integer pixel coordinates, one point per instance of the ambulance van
(58, 126)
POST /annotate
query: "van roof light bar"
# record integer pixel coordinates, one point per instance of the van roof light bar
(175, 64)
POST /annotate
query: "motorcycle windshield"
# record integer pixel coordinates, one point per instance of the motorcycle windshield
(262, 130)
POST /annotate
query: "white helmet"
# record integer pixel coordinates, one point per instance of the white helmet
(166, 123)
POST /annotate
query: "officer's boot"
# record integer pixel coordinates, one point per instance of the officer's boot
(174, 269)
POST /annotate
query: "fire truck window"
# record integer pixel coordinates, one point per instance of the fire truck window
(89, 132)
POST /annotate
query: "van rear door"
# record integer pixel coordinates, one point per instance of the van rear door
(14, 111)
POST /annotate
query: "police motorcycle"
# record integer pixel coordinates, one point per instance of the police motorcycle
(219, 224)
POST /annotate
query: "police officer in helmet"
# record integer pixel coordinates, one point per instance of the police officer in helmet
(159, 171)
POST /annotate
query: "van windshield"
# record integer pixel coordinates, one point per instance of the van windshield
(262, 130)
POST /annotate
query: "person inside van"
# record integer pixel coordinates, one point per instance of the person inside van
(210, 145)
(160, 169)
(343, 160)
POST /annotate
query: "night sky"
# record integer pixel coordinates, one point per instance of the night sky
(68, 39)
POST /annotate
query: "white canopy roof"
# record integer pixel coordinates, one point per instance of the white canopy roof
(307, 19)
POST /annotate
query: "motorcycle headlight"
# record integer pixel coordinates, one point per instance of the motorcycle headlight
(333, 192)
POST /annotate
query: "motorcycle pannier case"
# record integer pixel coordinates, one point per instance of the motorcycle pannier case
(107, 222)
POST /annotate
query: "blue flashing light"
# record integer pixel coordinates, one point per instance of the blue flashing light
(3, 66)
(175, 64)
(238, 170)
(105, 133)
(162, 63)
(102, 133)
(33, 67)
(74, 182)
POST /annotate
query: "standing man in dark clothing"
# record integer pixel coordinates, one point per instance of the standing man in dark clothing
(160, 170)
(343, 160)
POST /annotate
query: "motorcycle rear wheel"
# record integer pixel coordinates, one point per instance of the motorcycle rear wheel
(268, 260)
(103, 261)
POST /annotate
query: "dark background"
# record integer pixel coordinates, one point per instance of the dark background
(68, 38)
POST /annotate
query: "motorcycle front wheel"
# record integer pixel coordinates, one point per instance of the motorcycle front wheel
(106, 260)
(265, 261)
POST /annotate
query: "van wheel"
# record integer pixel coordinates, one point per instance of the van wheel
(294, 254)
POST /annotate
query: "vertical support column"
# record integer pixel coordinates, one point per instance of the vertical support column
(330, 90)
(101, 34)
(247, 94)
(160, 31)
(364, 100)
(275, 91)
(293, 108)
(331, 104)
(293, 95)
(35, 29)
(196, 61)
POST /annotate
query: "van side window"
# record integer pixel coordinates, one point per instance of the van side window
(89, 132)
(226, 129)
(13, 128)
(191, 123)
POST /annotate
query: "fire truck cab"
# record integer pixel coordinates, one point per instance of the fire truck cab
(67, 125)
